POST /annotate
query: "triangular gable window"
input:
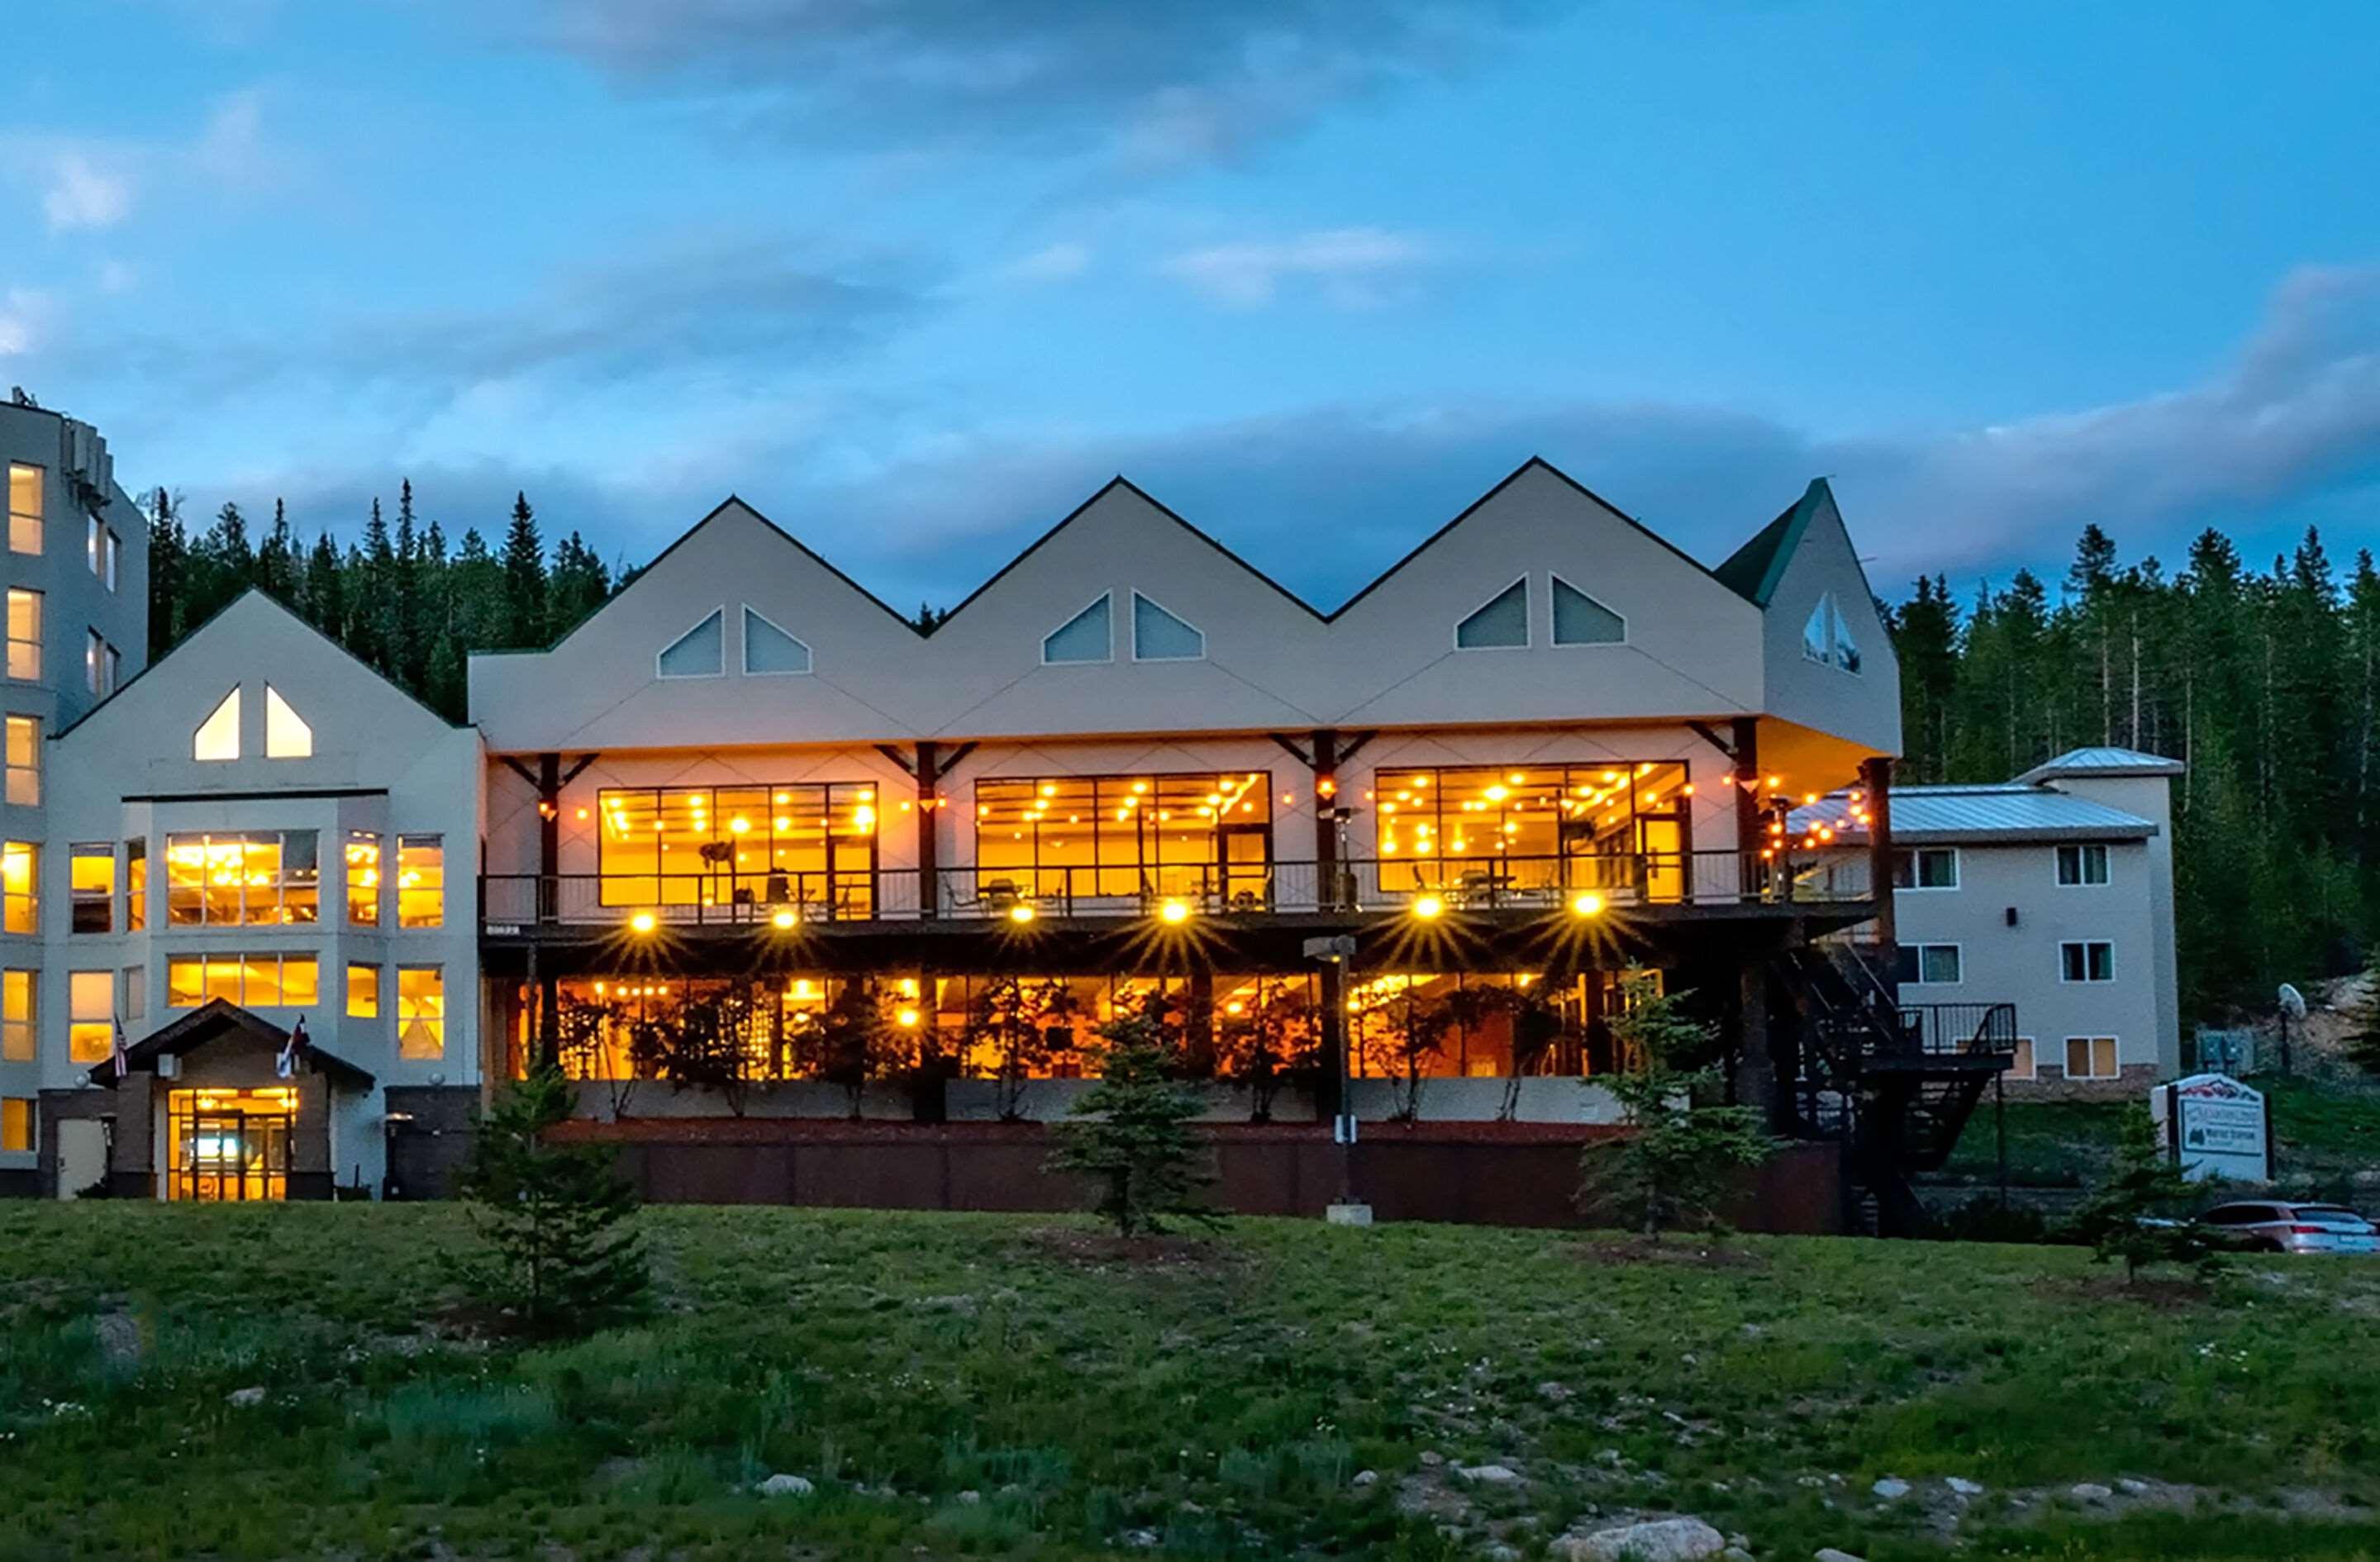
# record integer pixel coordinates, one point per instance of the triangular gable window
(1579, 620)
(768, 649)
(1504, 622)
(1815, 643)
(1083, 637)
(1159, 636)
(1847, 653)
(287, 736)
(700, 653)
(218, 735)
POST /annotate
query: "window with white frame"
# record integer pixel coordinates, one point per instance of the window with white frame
(91, 886)
(1161, 636)
(769, 651)
(2086, 959)
(2081, 865)
(1088, 636)
(1500, 623)
(1579, 620)
(1936, 965)
(2091, 1057)
(17, 1123)
(700, 653)
(24, 508)
(217, 738)
(17, 1030)
(90, 1015)
(1929, 867)
(2020, 1064)
(24, 635)
(25, 761)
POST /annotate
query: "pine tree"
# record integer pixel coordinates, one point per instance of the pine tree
(580, 584)
(1130, 1134)
(2127, 1216)
(325, 589)
(276, 559)
(169, 568)
(564, 1253)
(524, 582)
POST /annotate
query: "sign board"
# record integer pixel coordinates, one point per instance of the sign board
(2226, 1052)
(2214, 1126)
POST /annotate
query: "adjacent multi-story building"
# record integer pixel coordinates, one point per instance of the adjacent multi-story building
(1408, 859)
(76, 567)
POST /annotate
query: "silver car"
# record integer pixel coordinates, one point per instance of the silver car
(2296, 1229)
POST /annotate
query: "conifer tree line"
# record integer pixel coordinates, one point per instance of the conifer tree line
(2267, 684)
(404, 599)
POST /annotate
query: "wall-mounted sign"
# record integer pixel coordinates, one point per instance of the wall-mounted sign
(2214, 1126)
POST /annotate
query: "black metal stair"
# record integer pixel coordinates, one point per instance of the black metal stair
(1894, 1083)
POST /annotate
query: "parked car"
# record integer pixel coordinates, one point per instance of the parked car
(2295, 1228)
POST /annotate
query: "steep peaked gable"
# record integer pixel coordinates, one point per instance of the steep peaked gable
(1818, 602)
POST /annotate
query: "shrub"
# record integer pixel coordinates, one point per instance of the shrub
(1130, 1133)
(564, 1257)
(2127, 1217)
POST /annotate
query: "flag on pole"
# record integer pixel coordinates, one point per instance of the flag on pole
(122, 1062)
(294, 1049)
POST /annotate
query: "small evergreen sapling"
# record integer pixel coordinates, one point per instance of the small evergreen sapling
(1678, 1159)
(2126, 1218)
(566, 1255)
(1130, 1134)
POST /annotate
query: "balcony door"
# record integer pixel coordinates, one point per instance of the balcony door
(1246, 862)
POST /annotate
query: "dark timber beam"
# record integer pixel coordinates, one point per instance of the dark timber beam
(1876, 778)
(1704, 730)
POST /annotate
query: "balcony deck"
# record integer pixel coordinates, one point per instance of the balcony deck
(1289, 895)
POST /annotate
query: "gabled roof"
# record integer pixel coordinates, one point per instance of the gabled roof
(2078, 763)
(1998, 813)
(213, 1020)
(1754, 570)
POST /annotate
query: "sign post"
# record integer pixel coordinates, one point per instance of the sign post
(2215, 1127)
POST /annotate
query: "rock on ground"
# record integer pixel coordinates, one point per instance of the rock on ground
(783, 1485)
(2088, 1491)
(1364, 1478)
(1964, 1487)
(1891, 1486)
(1488, 1474)
(1828, 1554)
(1657, 1539)
(245, 1398)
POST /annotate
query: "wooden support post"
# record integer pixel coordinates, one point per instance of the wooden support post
(1751, 833)
(1329, 1080)
(1326, 829)
(549, 836)
(1876, 779)
(929, 774)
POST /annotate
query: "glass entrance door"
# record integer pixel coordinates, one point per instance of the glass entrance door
(1247, 866)
(230, 1146)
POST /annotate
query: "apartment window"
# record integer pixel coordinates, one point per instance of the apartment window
(90, 1015)
(111, 558)
(95, 662)
(421, 1013)
(1498, 828)
(254, 981)
(420, 881)
(1933, 964)
(24, 508)
(91, 886)
(2091, 1057)
(725, 845)
(2081, 865)
(1500, 623)
(217, 738)
(363, 990)
(17, 1029)
(25, 761)
(256, 876)
(1927, 868)
(2091, 959)
(2021, 1064)
(24, 635)
(16, 1123)
(135, 991)
(1120, 835)
(20, 905)
(363, 879)
(136, 883)
(93, 530)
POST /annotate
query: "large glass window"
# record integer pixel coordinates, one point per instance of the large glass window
(24, 508)
(421, 1013)
(16, 1123)
(363, 990)
(136, 883)
(255, 876)
(90, 1015)
(1482, 833)
(91, 885)
(254, 981)
(20, 877)
(363, 879)
(1123, 835)
(16, 1027)
(811, 844)
(420, 881)
(25, 761)
(24, 634)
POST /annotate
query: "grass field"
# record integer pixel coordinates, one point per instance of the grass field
(1220, 1396)
(2325, 1129)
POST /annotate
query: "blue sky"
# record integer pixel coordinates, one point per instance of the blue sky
(915, 278)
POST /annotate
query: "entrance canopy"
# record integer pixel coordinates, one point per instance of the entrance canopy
(223, 1025)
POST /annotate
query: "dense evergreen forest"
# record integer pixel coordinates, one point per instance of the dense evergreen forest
(2265, 684)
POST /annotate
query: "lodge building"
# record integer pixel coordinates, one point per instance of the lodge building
(1405, 855)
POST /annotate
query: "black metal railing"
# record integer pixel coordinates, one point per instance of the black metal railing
(1977, 1029)
(1552, 885)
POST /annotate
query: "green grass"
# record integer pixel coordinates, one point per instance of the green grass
(1221, 1399)
(2326, 1130)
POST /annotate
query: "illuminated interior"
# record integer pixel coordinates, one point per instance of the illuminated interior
(1201, 835)
(229, 1145)
(255, 877)
(287, 736)
(799, 844)
(252, 981)
(217, 738)
(1482, 831)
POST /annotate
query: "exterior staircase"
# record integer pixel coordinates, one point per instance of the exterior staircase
(1893, 1084)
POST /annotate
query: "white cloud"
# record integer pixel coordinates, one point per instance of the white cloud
(115, 276)
(81, 194)
(1059, 262)
(1355, 267)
